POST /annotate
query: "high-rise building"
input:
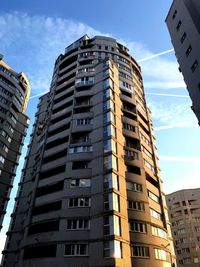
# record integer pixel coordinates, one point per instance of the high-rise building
(183, 22)
(184, 214)
(90, 192)
(14, 95)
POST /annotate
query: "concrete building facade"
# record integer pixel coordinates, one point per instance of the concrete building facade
(183, 22)
(14, 95)
(90, 192)
(184, 214)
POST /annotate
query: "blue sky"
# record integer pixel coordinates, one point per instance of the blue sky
(34, 33)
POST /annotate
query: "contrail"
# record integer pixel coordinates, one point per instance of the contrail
(184, 96)
(38, 95)
(156, 55)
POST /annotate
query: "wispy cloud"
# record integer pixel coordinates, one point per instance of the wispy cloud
(183, 124)
(38, 40)
(163, 84)
(170, 95)
(44, 38)
(182, 159)
(172, 114)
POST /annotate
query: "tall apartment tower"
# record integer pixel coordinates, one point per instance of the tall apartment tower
(183, 22)
(14, 95)
(90, 192)
(184, 212)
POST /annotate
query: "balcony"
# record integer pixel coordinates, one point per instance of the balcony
(80, 83)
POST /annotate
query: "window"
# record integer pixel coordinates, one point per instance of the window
(183, 37)
(80, 165)
(187, 260)
(197, 228)
(110, 162)
(179, 222)
(108, 83)
(135, 205)
(110, 145)
(6, 136)
(194, 66)
(3, 147)
(78, 224)
(196, 219)
(80, 149)
(133, 186)
(76, 250)
(139, 251)
(4, 101)
(145, 139)
(126, 76)
(174, 14)
(79, 202)
(50, 207)
(122, 67)
(112, 225)
(109, 104)
(183, 240)
(109, 117)
(13, 118)
(188, 51)
(49, 189)
(86, 54)
(149, 166)
(155, 214)
(153, 196)
(6, 92)
(80, 182)
(179, 251)
(2, 160)
(128, 127)
(40, 251)
(178, 25)
(126, 86)
(131, 155)
(159, 232)
(112, 249)
(86, 121)
(123, 60)
(185, 250)
(161, 254)
(111, 180)
(108, 93)
(111, 202)
(109, 130)
(146, 152)
(137, 227)
(181, 231)
(89, 69)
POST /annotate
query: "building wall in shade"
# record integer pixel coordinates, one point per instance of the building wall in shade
(14, 95)
(90, 192)
(184, 214)
(183, 22)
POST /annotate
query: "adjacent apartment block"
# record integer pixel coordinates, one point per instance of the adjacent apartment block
(90, 192)
(14, 94)
(184, 213)
(183, 22)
